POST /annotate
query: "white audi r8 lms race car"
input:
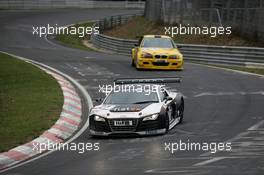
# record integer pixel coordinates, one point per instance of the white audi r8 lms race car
(133, 110)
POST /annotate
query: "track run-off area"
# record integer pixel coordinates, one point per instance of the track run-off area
(220, 106)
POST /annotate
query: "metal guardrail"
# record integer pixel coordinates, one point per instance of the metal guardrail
(47, 4)
(246, 56)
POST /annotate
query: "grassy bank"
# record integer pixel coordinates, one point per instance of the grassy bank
(30, 102)
(233, 67)
(74, 40)
(245, 69)
(140, 26)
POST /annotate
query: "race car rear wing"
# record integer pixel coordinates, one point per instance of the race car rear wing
(148, 80)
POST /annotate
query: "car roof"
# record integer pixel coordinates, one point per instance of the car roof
(143, 84)
(156, 36)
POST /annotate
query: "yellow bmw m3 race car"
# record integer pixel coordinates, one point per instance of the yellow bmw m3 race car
(157, 52)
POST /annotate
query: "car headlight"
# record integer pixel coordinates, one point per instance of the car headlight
(99, 119)
(151, 117)
(146, 55)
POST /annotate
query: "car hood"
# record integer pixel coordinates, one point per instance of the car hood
(128, 108)
(126, 111)
(161, 51)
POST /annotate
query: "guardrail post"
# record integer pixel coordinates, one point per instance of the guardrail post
(105, 25)
(119, 20)
(111, 22)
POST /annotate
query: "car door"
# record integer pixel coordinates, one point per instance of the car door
(168, 104)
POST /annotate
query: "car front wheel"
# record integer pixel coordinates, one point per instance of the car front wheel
(180, 111)
(168, 118)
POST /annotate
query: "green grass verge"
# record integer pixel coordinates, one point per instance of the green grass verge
(139, 26)
(74, 40)
(245, 69)
(239, 68)
(30, 102)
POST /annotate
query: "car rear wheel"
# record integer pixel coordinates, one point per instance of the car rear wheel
(133, 63)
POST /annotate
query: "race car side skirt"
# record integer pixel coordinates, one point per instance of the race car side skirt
(174, 123)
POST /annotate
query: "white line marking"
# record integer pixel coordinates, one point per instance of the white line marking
(166, 171)
(240, 135)
(256, 126)
(209, 161)
(228, 93)
(82, 74)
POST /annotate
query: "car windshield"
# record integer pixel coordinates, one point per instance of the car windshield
(131, 98)
(157, 43)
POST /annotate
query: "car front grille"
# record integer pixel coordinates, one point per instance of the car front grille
(161, 56)
(127, 128)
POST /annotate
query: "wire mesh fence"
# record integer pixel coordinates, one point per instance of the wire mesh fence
(244, 16)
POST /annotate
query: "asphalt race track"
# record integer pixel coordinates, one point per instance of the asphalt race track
(220, 106)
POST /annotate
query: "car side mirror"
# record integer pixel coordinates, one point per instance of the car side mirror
(168, 99)
(136, 45)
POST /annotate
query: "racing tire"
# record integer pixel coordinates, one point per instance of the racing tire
(133, 63)
(167, 121)
(137, 67)
(181, 110)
